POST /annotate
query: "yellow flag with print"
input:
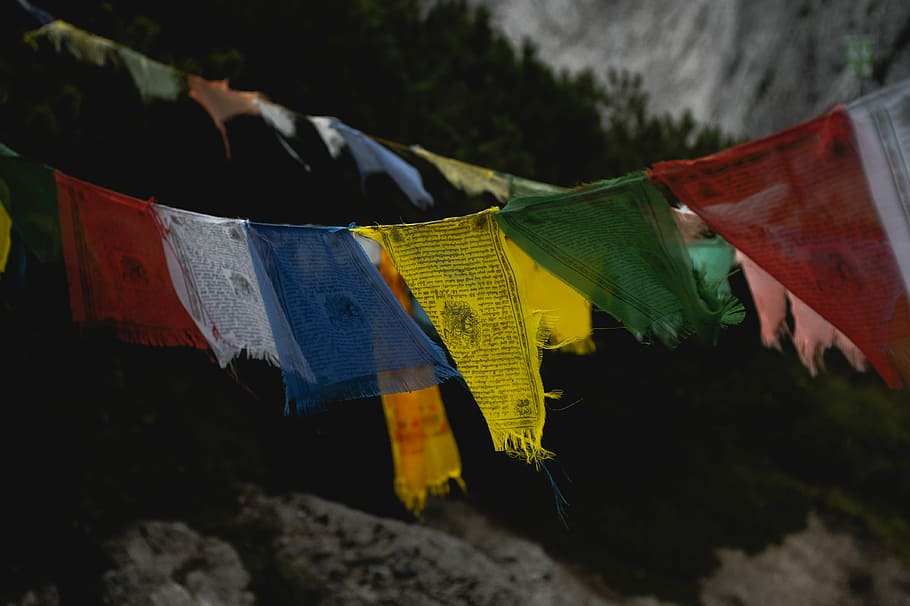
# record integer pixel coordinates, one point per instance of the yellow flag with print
(459, 271)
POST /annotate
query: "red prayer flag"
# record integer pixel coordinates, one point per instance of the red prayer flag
(797, 203)
(116, 268)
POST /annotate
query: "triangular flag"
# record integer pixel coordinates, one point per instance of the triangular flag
(617, 243)
(459, 271)
(797, 203)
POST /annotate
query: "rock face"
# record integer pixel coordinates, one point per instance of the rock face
(751, 67)
(306, 550)
(167, 563)
(337, 555)
(817, 566)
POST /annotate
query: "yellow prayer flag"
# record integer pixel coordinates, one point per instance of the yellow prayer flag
(6, 227)
(424, 452)
(473, 180)
(460, 273)
(566, 312)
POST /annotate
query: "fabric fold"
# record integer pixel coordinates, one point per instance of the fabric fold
(424, 452)
(371, 158)
(338, 329)
(798, 204)
(459, 271)
(566, 314)
(616, 242)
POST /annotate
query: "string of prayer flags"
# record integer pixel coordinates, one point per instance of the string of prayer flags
(152, 79)
(812, 335)
(459, 271)
(30, 199)
(424, 453)
(339, 331)
(797, 203)
(209, 262)
(617, 243)
(372, 158)
(116, 268)
(566, 313)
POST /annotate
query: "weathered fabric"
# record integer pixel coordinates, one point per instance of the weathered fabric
(566, 314)
(339, 331)
(83, 45)
(881, 123)
(617, 243)
(797, 203)
(30, 200)
(473, 180)
(209, 262)
(812, 335)
(116, 268)
(460, 272)
(153, 80)
(424, 452)
(222, 103)
(372, 158)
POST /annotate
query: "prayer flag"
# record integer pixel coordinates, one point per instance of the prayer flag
(31, 203)
(116, 268)
(424, 452)
(566, 313)
(6, 226)
(617, 243)
(339, 331)
(222, 103)
(460, 273)
(371, 157)
(811, 333)
(473, 180)
(798, 204)
(212, 271)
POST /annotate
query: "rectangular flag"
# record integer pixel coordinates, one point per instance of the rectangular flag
(116, 268)
(212, 271)
(339, 331)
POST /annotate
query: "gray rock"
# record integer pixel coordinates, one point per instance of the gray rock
(818, 566)
(752, 67)
(44, 596)
(168, 564)
(348, 557)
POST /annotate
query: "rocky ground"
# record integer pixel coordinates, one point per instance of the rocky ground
(301, 549)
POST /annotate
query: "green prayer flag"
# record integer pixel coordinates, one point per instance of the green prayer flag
(31, 203)
(519, 186)
(617, 243)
